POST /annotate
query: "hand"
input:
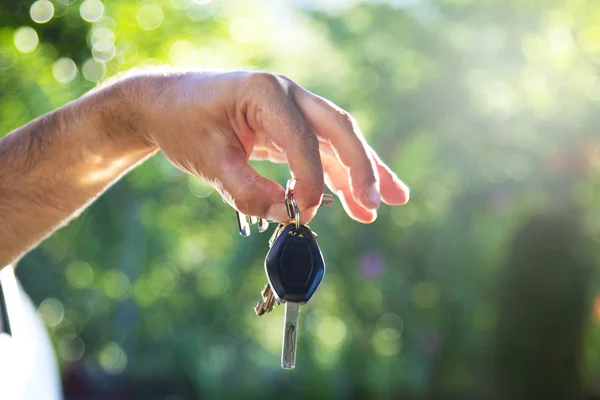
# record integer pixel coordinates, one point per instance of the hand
(210, 124)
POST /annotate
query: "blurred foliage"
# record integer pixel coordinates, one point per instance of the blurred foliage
(487, 109)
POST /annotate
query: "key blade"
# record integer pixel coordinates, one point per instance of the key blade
(290, 335)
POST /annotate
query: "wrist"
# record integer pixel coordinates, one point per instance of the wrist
(119, 118)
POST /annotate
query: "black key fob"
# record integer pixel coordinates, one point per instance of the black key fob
(295, 265)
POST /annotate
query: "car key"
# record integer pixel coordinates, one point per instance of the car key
(267, 299)
(295, 268)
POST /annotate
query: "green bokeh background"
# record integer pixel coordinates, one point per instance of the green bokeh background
(483, 286)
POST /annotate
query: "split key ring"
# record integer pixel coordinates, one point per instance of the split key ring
(290, 203)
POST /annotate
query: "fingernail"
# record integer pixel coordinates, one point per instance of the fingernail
(374, 215)
(402, 187)
(373, 195)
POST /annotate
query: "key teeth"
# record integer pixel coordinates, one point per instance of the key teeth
(267, 303)
(259, 309)
(262, 308)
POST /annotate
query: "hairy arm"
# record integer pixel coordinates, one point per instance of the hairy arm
(208, 124)
(51, 168)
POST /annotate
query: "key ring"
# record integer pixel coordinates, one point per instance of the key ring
(293, 211)
(290, 203)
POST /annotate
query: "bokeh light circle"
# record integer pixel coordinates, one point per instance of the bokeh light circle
(80, 274)
(93, 70)
(385, 343)
(102, 33)
(183, 52)
(103, 50)
(64, 70)
(91, 10)
(331, 331)
(116, 284)
(424, 294)
(149, 16)
(41, 11)
(71, 348)
(112, 358)
(392, 324)
(26, 39)
(212, 283)
(52, 312)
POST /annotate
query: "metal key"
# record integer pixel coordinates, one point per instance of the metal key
(267, 301)
(295, 268)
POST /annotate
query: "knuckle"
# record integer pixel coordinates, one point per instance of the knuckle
(265, 80)
(363, 175)
(284, 78)
(308, 141)
(289, 84)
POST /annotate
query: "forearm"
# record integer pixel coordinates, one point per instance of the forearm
(55, 165)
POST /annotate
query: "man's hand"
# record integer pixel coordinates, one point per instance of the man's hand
(208, 124)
